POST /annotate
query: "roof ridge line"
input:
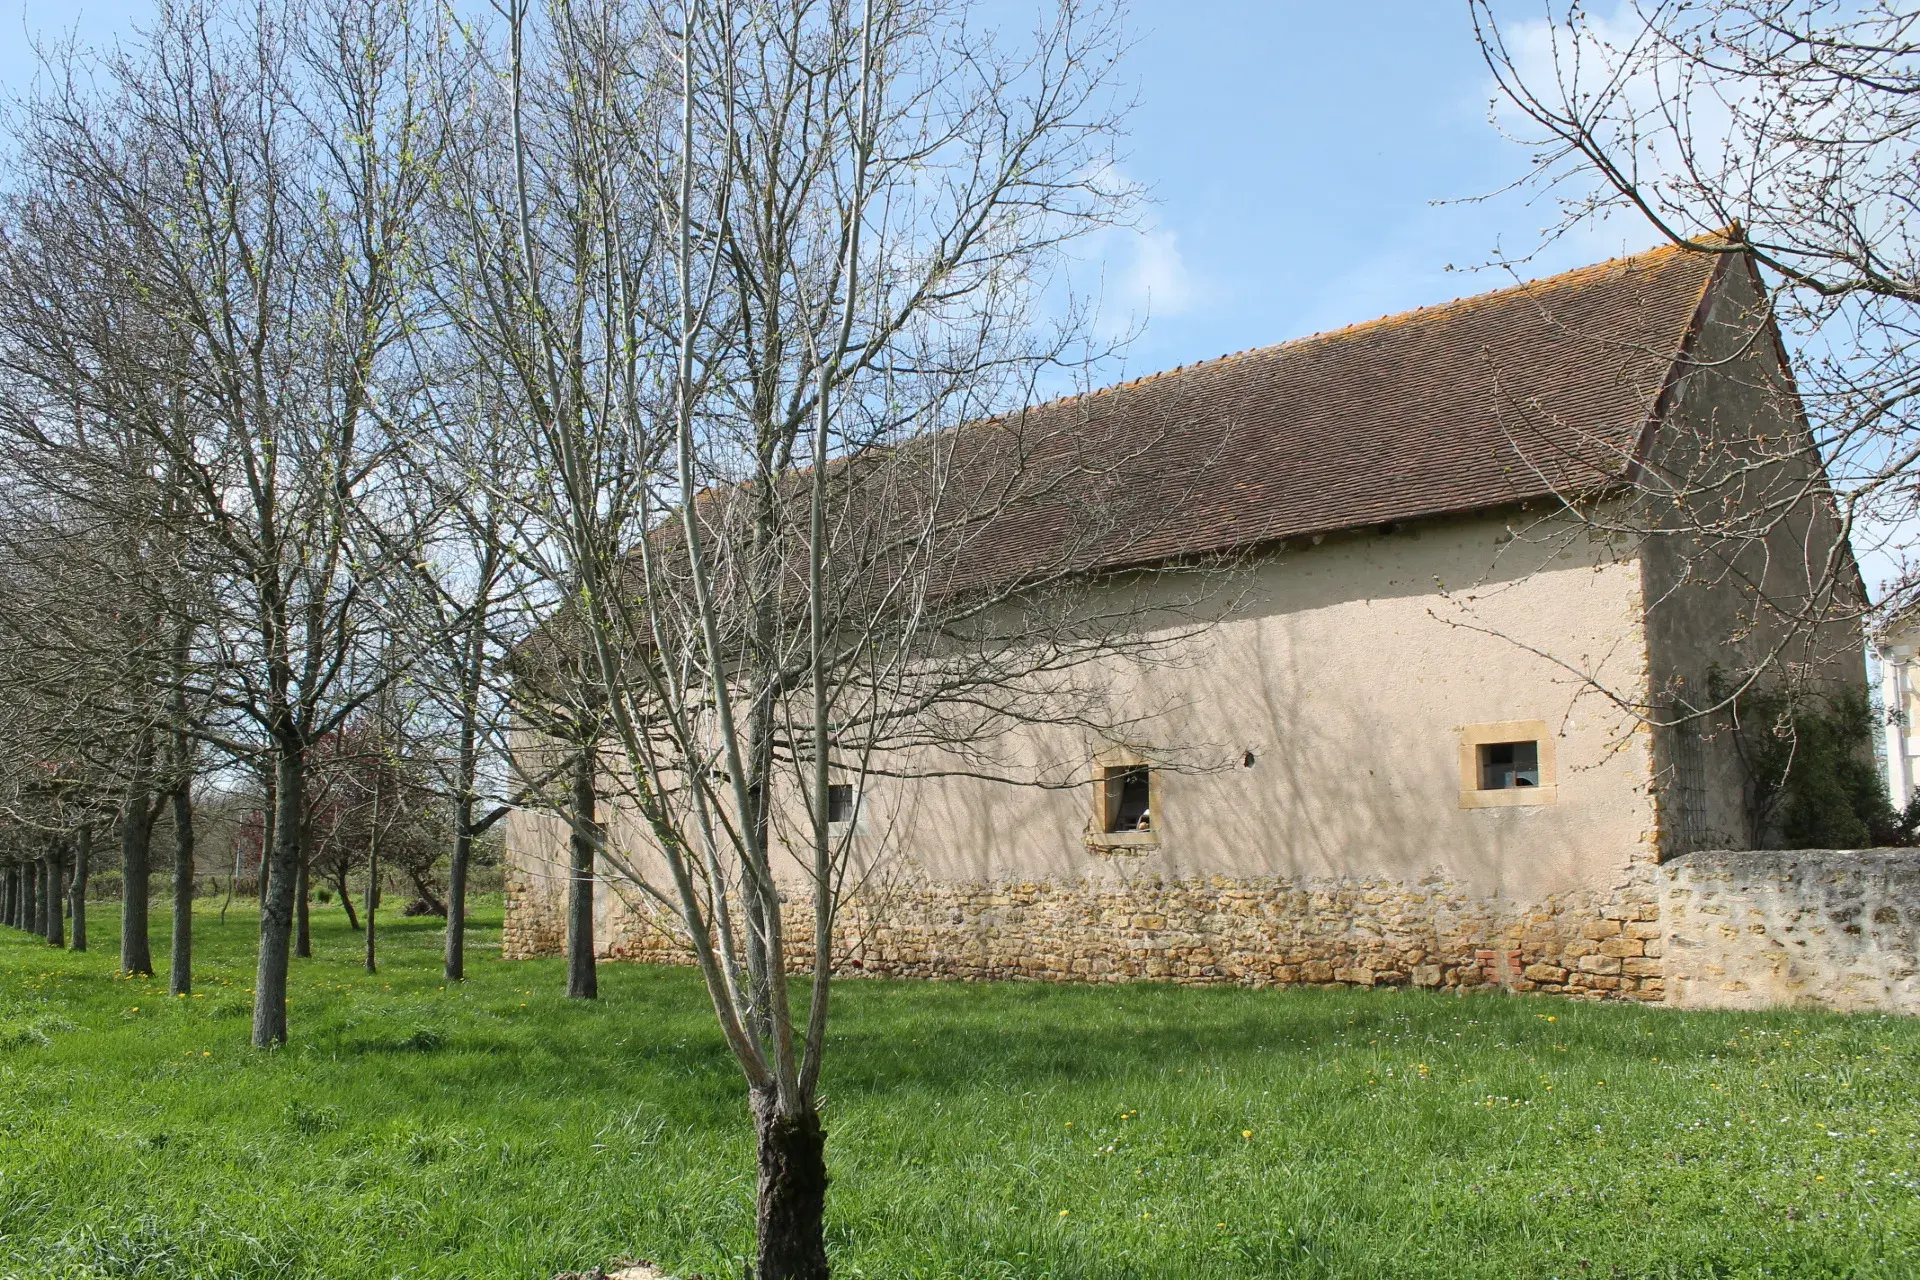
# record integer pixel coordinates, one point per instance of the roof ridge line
(1327, 335)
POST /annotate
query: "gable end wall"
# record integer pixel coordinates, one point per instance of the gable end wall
(1721, 601)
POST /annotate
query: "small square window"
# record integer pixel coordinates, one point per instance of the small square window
(1129, 794)
(1509, 764)
(839, 802)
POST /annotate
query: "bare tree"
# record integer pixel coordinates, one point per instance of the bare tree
(462, 609)
(749, 273)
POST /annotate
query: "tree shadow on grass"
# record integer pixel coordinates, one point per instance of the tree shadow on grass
(934, 1035)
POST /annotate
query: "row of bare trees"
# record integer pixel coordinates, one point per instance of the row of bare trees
(372, 381)
(214, 524)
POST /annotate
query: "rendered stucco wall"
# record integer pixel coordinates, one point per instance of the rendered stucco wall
(1342, 853)
(1836, 930)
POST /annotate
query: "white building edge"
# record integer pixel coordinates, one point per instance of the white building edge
(1898, 648)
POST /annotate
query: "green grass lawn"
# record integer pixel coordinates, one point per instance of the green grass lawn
(494, 1129)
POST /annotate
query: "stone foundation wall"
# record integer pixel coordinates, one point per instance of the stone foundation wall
(1835, 930)
(1593, 943)
(536, 917)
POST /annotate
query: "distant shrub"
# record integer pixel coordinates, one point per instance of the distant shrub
(486, 878)
(421, 907)
(323, 896)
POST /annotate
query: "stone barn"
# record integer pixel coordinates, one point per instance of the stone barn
(1425, 748)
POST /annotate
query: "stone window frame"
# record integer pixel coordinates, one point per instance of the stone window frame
(1098, 837)
(1475, 736)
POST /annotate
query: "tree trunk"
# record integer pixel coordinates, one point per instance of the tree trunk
(583, 983)
(49, 898)
(303, 937)
(346, 900)
(422, 882)
(57, 906)
(456, 970)
(36, 909)
(791, 1219)
(136, 871)
(82, 860)
(276, 920)
(180, 966)
(268, 821)
(373, 901)
(6, 897)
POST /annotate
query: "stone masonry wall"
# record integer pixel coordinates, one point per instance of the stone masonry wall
(1596, 943)
(1822, 928)
(536, 921)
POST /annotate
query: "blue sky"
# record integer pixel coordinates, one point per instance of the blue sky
(1295, 151)
(1303, 157)
(1309, 162)
(1313, 164)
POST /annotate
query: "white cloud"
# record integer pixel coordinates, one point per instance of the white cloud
(1142, 276)
(1157, 280)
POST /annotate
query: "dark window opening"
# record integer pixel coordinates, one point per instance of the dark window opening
(1509, 764)
(1129, 796)
(839, 802)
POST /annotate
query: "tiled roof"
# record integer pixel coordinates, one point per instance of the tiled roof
(1514, 395)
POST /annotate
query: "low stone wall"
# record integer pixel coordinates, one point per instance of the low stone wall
(1821, 928)
(1589, 943)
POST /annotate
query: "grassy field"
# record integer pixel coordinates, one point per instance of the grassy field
(494, 1129)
